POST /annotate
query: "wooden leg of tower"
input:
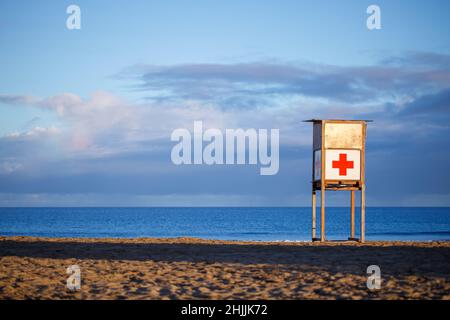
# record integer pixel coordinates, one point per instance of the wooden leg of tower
(363, 212)
(313, 215)
(322, 214)
(352, 215)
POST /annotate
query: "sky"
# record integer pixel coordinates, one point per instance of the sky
(86, 115)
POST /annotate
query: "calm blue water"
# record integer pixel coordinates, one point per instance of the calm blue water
(223, 223)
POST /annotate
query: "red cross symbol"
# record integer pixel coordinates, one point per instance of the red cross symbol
(342, 164)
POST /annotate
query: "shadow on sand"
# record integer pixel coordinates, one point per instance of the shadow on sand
(341, 257)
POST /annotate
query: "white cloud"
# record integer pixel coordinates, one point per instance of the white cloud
(9, 166)
(34, 132)
(105, 124)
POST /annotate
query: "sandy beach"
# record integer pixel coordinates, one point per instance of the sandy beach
(188, 268)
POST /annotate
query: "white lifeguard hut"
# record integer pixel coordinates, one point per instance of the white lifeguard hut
(338, 164)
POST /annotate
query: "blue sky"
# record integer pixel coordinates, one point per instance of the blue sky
(86, 115)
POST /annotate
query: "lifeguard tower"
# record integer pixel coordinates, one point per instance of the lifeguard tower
(338, 164)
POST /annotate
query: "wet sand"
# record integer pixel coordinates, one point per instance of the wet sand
(188, 268)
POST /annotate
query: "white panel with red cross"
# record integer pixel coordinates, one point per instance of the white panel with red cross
(342, 164)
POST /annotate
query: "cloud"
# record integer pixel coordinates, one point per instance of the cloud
(435, 107)
(16, 99)
(34, 132)
(141, 200)
(104, 144)
(104, 124)
(9, 166)
(263, 84)
(419, 60)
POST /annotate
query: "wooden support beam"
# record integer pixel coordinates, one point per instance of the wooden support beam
(322, 215)
(341, 188)
(322, 186)
(363, 187)
(363, 213)
(352, 214)
(313, 215)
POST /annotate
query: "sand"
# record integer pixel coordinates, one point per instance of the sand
(188, 268)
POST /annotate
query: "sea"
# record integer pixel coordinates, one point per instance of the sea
(225, 223)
